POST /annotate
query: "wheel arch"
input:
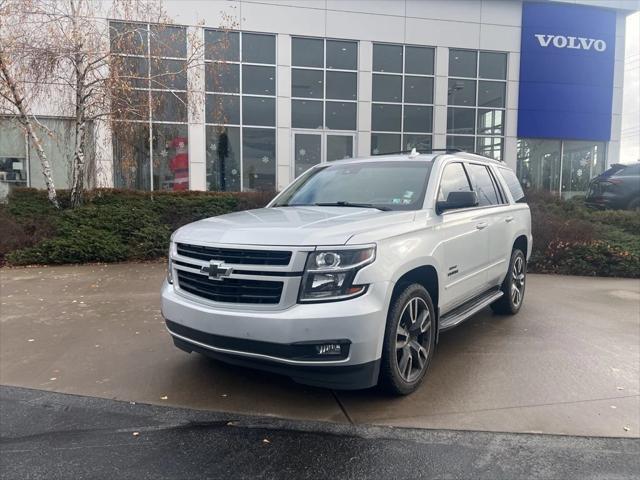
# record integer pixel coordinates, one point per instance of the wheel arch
(427, 276)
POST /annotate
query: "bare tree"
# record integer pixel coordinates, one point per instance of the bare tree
(13, 77)
(62, 53)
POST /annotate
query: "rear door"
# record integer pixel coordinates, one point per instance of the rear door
(495, 212)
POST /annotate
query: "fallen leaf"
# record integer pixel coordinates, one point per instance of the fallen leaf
(223, 395)
(613, 406)
(31, 340)
(164, 397)
(620, 388)
(265, 441)
(626, 429)
(135, 434)
(53, 378)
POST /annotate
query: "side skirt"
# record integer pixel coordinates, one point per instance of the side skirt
(459, 314)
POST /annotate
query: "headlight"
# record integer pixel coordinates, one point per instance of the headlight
(329, 274)
(170, 265)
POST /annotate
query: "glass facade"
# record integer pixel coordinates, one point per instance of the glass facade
(402, 95)
(19, 162)
(150, 147)
(561, 167)
(477, 91)
(240, 110)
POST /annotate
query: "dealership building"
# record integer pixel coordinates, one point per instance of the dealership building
(537, 85)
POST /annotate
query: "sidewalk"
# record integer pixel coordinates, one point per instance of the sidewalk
(567, 364)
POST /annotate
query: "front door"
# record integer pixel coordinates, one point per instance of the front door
(311, 148)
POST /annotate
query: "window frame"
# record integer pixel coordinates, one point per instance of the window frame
(403, 74)
(240, 95)
(323, 99)
(491, 179)
(476, 135)
(150, 89)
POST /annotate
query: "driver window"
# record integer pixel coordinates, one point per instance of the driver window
(454, 179)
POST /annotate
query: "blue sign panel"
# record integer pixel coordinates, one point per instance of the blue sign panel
(566, 71)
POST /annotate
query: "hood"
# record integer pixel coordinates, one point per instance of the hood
(295, 226)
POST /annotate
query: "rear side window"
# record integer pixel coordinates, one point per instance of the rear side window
(513, 184)
(454, 179)
(629, 170)
(483, 185)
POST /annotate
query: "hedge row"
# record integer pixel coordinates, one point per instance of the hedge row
(119, 225)
(112, 225)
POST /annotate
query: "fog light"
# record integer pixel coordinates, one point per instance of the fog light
(329, 349)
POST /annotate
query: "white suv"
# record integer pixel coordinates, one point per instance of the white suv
(348, 276)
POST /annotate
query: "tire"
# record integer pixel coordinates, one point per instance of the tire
(408, 324)
(513, 285)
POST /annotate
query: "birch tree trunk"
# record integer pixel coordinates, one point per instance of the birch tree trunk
(23, 118)
(78, 167)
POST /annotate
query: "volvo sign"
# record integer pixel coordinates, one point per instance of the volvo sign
(566, 71)
(560, 41)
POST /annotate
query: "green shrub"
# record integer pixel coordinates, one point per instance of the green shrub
(111, 225)
(596, 258)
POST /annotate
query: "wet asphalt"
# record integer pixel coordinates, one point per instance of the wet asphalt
(46, 435)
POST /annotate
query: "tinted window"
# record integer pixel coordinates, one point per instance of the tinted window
(340, 116)
(491, 94)
(419, 142)
(387, 58)
(222, 77)
(418, 118)
(466, 144)
(418, 89)
(223, 158)
(169, 106)
(462, 92)
(306, 114)
(258, 80)
(258, 158)
(418, 60)
(342, 85)
(128, 38)
(483, 185)
(387, 88)
(307, 83)
(168, 41)
(462, 63)
(221, 45)
(258, 48)
(169, 74)
(382, 143)
(513, 184)
(223, 109)
(170, 157)
(454, 179)
(461, 120)
(493, 65)
(386, 118)
(342, 55)
(307, 52)
(258, 111)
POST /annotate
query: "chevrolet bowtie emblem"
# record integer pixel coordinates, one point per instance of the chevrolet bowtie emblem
(216, 270)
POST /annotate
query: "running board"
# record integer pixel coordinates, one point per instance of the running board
(467, 309)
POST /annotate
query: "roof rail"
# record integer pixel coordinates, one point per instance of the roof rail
(421, 150)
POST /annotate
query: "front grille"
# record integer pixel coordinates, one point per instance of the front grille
(235, 256)
(230, 290)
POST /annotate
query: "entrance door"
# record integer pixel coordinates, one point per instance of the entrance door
(311, 148)
(307, 151)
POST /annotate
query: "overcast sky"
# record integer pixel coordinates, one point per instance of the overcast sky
(630, 139)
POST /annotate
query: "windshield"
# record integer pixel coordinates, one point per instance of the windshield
(377, 184)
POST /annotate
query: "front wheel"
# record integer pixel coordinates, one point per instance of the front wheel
(513, 285)
(409, 340)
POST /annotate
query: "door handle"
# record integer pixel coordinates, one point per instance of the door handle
(508, 219)
(482, 225)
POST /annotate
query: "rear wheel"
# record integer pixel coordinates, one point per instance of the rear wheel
(513, 285)
(409, 340)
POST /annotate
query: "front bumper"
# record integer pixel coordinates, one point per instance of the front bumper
(264, 338)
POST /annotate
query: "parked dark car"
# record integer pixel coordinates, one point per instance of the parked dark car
(617, 187)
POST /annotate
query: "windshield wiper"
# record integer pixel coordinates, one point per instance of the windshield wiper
(350, 204)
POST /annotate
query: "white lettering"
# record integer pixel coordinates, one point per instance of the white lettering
(572, 43)
(586, 43)
(600, 45)
(544, 40)
(559, 41)
(578, 43)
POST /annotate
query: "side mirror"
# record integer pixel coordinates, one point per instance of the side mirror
(458, 200)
